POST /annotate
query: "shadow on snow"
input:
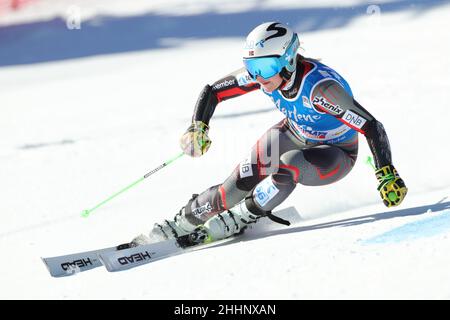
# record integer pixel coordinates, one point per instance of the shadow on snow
(291, 213)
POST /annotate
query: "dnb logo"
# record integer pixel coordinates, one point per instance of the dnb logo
(353, 119)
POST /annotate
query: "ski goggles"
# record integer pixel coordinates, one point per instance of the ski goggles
(268, 66)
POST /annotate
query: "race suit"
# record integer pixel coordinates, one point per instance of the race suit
(315, 144)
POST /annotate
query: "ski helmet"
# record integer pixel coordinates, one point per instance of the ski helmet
(270, 48)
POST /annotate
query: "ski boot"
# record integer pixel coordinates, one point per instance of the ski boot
(169, 229)
(226, 224)
(223, 225)
(229, 223)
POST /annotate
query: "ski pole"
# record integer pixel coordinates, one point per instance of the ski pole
(369, 161)
(86, 213)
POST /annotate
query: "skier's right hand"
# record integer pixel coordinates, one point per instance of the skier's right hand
(195, 141)
(391, 187)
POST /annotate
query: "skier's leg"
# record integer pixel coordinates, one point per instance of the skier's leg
(264, 180)
(264, 160)
(313, 165)
(325, 164)
(216, 200)
(277, 163)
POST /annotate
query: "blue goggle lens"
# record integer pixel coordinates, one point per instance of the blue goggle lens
(265, 67)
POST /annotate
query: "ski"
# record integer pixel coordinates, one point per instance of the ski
(123, 257)
(68, 265)
(136, 256)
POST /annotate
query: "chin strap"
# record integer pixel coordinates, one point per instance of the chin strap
(288, 79)
(289, 76)
(282, 85)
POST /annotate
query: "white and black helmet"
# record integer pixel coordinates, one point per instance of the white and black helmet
(269, 48)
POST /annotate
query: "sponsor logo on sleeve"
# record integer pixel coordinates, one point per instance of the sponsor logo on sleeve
(332, 108)
(225, 83)
(243, 78)
(245, 168)
(353, 119)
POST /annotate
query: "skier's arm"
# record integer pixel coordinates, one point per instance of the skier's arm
(233, 85)
(330, 97)
(195, 141)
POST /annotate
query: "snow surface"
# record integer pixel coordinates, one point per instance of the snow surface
(84, 114)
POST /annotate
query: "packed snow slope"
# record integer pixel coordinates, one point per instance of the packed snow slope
(85, 112)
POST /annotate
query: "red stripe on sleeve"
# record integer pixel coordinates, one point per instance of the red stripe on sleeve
(221, 95)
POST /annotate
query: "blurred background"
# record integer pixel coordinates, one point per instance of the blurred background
(42, 30)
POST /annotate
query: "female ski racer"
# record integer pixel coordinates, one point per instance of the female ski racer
(315, 144)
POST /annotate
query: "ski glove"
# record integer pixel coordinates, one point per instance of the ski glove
(195, 141)
(391, 186)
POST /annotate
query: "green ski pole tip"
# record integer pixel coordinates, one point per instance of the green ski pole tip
(392, 196)
(85, 213)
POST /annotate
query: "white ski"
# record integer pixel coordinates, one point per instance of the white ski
(134, 257)
(129, 258)
(68, 265)
(137, 256)
(124, 259)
